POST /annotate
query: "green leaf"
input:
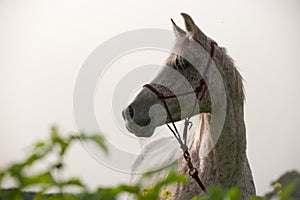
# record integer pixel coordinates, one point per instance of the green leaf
(14, 194)
(100, 142)
(97, 138)
(107, 193)
(128, 188)
(233, 194)
(63, 147)
(113, 192)
(16, 169)
(172, 177)
(154, 193)
(256, 198)
(39, 144)
(73, 181)
(54, 133)
(40, 179)
(2, 174)
(119, 189)
(287, 190)
(214, 193)
(31, 159)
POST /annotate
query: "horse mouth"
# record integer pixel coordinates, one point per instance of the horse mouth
(139, 131)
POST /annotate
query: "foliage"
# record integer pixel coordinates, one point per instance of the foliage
(45, 180)
(217, 193)
(287, 186)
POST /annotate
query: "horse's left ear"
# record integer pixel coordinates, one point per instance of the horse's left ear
(192, 29)
(177, 30)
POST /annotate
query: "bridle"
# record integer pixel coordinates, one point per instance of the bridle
(201, 88)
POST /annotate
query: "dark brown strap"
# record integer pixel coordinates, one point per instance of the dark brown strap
(174, 129)
(193, 172)
(195, 176)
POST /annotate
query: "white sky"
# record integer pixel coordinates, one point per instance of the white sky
(44, 43)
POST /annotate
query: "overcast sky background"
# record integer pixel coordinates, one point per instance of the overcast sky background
(43, 45)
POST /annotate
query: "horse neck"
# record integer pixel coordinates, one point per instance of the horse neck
(224, 163)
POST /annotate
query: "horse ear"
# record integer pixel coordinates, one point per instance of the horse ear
(177, 30)
(192, 29)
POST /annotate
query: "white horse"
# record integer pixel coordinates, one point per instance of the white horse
(193, 59)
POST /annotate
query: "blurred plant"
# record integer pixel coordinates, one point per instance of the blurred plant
(46, 181)
(217, 193)
(287, 186)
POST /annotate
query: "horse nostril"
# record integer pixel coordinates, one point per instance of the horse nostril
(130, 110)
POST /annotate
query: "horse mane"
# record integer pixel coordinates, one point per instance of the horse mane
(229, 64)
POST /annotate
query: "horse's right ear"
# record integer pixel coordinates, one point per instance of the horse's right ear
(177, 30)
(192, 29)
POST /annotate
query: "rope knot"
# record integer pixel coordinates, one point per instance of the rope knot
(188, 124)
(193, 173)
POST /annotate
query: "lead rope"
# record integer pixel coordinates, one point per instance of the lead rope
(193, 172)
